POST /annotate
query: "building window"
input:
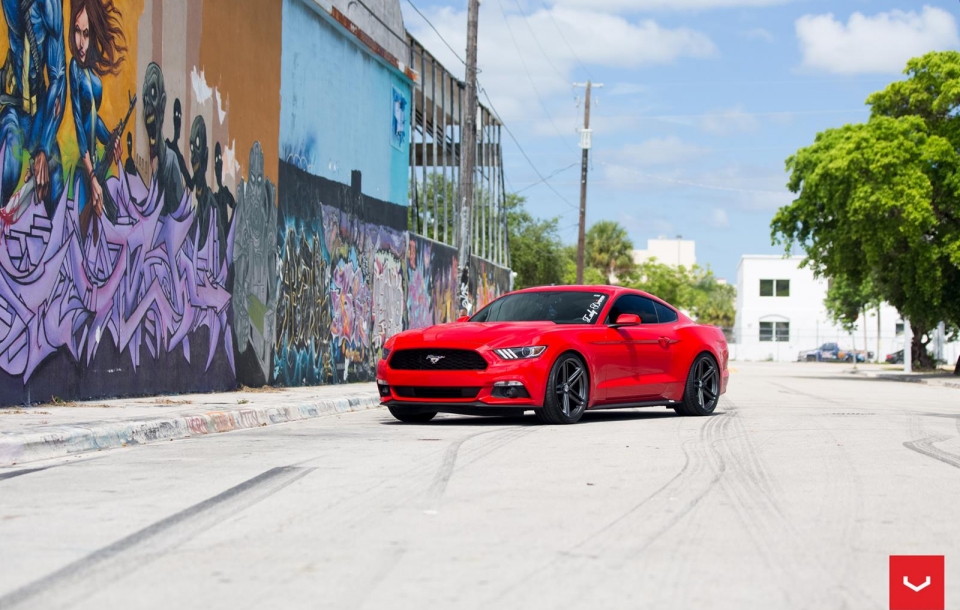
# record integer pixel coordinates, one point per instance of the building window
(899, 328)
(769, 288)
(775, 331)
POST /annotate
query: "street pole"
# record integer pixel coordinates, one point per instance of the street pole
(468, 155)
(586, 141)
(907, 347)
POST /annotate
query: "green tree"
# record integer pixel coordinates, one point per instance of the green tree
(694, 290)
(608, 249)
(591, 276)
(434, 201)
(536, 252)
(880, 201)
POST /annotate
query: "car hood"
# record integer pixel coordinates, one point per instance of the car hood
(475, 335)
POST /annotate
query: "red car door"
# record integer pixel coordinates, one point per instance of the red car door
(642, 366)
(636, 359)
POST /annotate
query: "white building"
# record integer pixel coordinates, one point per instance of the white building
(673, 252)
(781, 312)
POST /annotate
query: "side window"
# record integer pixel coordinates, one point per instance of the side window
(665, 314)
(766, 288)
(783, 288)
(631, 303)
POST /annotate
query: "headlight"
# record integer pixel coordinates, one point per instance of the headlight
(386, 354)
(520, 353)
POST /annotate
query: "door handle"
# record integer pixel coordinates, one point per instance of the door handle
(666, 342)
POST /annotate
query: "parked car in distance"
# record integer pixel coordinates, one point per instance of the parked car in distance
(894, 358)
(832, 352)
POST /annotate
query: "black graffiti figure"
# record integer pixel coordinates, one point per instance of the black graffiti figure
(166, 172)
(129, 165)
(174, 144)
(225, 200)
(206, 201)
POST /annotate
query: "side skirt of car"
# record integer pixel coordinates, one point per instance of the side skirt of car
(483, 409)
(636, 405)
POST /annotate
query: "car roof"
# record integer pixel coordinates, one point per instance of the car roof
(614, 291)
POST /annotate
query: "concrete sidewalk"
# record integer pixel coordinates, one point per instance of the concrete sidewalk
(942, 379)
(28, 434)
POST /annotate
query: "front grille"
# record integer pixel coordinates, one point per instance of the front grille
(437, 360)
(435, 392)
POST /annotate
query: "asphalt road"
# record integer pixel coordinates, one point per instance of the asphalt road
(792, 496)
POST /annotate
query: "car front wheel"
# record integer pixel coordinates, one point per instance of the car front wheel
(568, 392)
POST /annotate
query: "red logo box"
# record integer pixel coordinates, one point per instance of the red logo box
(916, 582)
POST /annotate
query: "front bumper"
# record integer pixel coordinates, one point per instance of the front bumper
(532, 374)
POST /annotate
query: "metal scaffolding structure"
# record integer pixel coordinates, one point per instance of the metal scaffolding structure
(435, 163)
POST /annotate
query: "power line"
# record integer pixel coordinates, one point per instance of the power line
(537, 41)
(559, 171)
(529, 76)
(523, 152)
(565, 41)
(497, 114)
(713, 187)
(437, 32)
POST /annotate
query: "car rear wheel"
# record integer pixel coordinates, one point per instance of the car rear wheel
(702, 392)
(412, 418)
(568, 392)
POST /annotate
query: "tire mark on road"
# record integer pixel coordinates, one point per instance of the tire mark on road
(86, 576)
(449, 461)
(16, 473)
(842, 485)
(604, 540)
(925, 446)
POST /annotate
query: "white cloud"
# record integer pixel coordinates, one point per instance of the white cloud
(597, 39)
(878, 44)
(636, 6)
(647, 225)
(759, 34)
(619, 89)
(658, 151)
(726, 122)
(719, 218)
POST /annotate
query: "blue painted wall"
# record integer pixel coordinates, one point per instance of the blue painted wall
(339, 106)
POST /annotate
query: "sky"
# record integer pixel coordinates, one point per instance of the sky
(702, 100)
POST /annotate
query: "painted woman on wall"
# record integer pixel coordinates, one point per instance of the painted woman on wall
(97, 44)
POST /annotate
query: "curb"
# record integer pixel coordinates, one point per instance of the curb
(61, 441)
(943, 383)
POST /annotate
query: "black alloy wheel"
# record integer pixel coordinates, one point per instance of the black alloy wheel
(568, 392)
(702, 392)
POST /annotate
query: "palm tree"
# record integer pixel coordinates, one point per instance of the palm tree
(609, 249)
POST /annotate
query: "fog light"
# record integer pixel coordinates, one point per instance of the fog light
(510, 390)
(383, 388)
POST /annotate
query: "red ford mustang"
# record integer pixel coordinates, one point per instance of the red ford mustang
(558, 351)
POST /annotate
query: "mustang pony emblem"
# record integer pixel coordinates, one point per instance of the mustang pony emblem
(435, 359)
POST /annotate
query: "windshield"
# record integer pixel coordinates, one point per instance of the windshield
(560, 307)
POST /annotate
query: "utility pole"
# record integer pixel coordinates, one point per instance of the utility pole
(468, 155)
(586, 142)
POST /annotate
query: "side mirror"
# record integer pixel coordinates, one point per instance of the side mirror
(627, 319)
(463, 319)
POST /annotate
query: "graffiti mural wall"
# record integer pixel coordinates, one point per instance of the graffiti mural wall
(198, 194)
(117, 234)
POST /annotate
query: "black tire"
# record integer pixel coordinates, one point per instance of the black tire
(412, 418)
(568, 392)
(702, 391)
